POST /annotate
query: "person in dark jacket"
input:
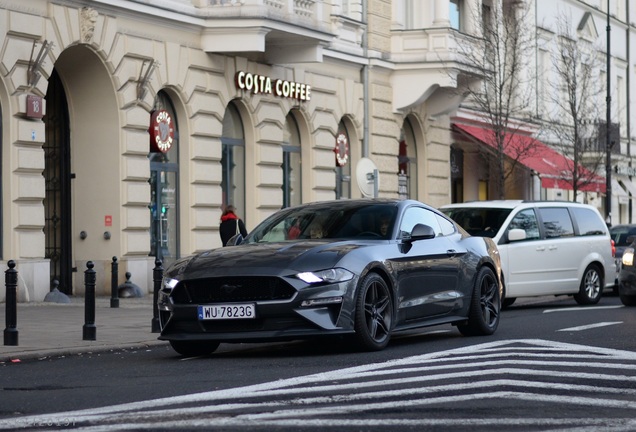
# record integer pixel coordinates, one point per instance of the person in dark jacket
(231, 225)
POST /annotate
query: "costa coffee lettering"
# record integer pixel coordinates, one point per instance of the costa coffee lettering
(281, 88)
(161, 131)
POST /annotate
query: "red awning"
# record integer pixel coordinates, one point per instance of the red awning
(554, 168)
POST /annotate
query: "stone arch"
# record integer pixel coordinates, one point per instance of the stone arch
(95, 154)
(184, 156)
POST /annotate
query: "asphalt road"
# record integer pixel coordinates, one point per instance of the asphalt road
(552, 365)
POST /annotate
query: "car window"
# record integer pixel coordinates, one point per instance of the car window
(447, 226)
(479, 221)
(620, 234)
(346, 221)
(418, 215)
(589, 222)
(527, 221)
(556, 222)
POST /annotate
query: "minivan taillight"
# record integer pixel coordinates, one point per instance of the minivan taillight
(613, 248)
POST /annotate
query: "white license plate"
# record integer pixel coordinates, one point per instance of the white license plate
(227, 311)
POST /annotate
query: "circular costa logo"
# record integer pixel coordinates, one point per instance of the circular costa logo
(161, 131)
(341, 149)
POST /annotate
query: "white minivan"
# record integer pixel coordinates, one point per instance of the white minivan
(546, 247)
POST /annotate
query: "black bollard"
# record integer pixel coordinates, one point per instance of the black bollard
(89, 331)
(157, 276)
(114, 287)
(11, 281)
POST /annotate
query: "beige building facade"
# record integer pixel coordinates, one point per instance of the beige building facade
(256, 93)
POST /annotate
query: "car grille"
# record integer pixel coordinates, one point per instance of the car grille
(232, 289)
(237, 326)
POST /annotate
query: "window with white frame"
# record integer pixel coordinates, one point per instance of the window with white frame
(455, 14)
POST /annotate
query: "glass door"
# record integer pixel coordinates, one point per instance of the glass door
(163, 209)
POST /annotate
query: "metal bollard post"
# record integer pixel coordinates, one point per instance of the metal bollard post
(11, 281)
(114, 287)
(89, 331)
(157, 276)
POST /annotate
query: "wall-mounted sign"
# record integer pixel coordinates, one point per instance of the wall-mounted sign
(161, 131)
(625, 170)
(34, 106)
(277, 87)
(341, 150)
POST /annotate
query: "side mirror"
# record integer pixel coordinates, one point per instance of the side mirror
(516, 234)
(235, 240)
(630, 239)
(421, 232)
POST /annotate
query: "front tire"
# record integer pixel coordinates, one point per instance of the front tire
(485, 306)
(591, 288)
(194, 348)
(374, 314)
(627, 300)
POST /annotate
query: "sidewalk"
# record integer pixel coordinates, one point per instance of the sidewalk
(51, 329)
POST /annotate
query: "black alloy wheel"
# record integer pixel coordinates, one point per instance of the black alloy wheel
(485, 305)
(374, 313)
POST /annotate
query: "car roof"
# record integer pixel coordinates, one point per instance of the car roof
(493, 204)
(511, 204)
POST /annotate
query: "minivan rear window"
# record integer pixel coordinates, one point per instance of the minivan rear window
(588, 221)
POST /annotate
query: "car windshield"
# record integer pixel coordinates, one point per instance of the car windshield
(371, 221)
(483, 222)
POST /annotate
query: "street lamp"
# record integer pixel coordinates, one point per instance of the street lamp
(608, 144)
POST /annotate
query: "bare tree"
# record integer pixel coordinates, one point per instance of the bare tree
(575, 96)
(504, 96)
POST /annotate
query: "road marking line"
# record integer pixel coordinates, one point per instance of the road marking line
(585, 308)
(591, 326)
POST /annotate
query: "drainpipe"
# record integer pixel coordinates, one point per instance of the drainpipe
(628, 126)
(608, 144)
(365, 81)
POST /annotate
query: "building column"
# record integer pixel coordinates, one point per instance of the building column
(441, 18)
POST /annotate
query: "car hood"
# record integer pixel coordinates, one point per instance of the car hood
(270, 258)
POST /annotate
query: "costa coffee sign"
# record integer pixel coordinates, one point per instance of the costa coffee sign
(341, 150)
(277, 87)
(161, 131)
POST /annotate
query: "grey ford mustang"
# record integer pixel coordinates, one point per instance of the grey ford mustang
(363, 269)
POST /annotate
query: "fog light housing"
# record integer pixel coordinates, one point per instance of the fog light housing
(321, 302)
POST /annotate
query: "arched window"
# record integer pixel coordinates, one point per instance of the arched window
(407, 162)
(292, 186)
(233, 159)
(164, 194)
(343, 170)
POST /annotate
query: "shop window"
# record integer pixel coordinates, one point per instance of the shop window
(343, 164)
(164, 190)
(292, 186)
(407, 163)
(233, 159)
(483, 190)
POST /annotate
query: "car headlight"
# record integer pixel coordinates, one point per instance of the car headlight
(326, 276)
(628, 257)
(169, 284)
